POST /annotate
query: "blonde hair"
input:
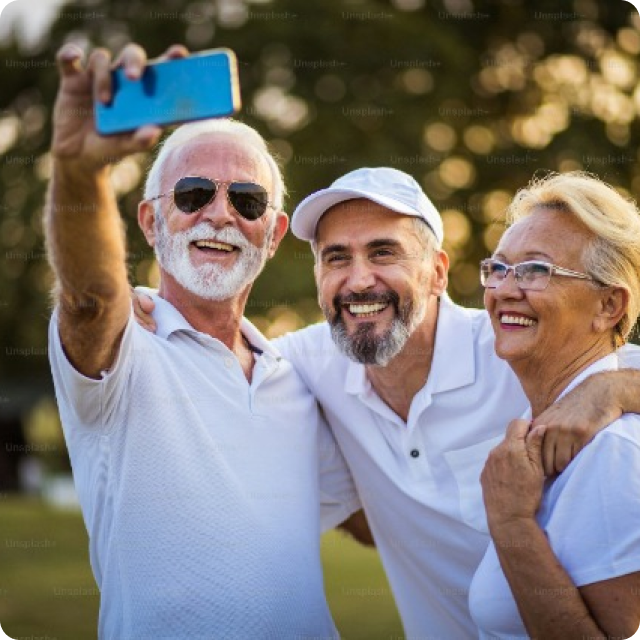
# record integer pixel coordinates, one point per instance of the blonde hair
(613, 257)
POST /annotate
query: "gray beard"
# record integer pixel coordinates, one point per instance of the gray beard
(364, 347)
(209, 281)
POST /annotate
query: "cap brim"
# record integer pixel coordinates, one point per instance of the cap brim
(307, 214)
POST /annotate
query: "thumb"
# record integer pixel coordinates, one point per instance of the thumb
(534, 442)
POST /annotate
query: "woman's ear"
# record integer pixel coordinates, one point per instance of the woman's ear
(614, 302)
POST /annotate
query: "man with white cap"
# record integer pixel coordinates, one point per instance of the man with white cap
(413, 390)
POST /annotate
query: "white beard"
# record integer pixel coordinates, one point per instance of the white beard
(210, 281)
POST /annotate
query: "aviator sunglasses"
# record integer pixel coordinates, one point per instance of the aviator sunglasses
(193, 193)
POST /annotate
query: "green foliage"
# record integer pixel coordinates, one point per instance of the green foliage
(470, 97)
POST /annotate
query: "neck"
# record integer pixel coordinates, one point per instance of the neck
(218, 318)
(412, 366)
(543, 382)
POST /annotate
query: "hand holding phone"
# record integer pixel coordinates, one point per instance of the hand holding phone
(203, 85)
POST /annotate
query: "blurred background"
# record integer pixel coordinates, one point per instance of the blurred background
(471, 97)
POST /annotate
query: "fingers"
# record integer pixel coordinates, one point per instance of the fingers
(146, 304)
(534, 441)
(174, 52)
(99, 65)
(132, 59)
(69, 59)
(549, 453)
(517, 430)
(143, 305)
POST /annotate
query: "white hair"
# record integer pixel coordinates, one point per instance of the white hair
(240, 131)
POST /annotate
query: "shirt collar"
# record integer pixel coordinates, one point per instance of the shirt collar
(453, 364)
(169, 320)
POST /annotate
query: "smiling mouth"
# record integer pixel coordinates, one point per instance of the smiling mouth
(516, 321)
(366, 310)
(213, 246)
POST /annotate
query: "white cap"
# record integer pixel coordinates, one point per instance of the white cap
(388, 187)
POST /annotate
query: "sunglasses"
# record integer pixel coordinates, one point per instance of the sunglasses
(533, 275)
(193, 193)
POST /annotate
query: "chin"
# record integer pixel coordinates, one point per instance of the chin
(509, 351)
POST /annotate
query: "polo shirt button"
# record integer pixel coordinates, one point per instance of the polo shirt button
(228, 362)
(414, 453)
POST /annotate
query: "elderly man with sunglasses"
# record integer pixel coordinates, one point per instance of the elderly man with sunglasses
(199, 456)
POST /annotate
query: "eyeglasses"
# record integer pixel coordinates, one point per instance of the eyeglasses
(193, 193)
(532, 275)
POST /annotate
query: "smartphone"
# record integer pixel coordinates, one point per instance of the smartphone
(203, 85)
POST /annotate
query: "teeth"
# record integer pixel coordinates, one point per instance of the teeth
(519, 320)
(210, 244)
(365, 310)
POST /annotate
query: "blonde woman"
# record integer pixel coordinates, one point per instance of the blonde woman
(563, 293)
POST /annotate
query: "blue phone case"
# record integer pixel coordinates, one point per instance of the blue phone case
(204, 85)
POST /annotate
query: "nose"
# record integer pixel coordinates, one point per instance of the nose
(361, 277)
(508, 288)
(219, 211)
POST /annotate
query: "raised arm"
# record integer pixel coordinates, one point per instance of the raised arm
(84, 232)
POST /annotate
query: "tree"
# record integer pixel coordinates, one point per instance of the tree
(469, 97)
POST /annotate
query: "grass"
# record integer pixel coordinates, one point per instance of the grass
(47, 591)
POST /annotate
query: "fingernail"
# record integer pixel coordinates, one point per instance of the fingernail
(133, 71)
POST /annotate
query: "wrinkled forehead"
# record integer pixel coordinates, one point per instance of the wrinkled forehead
(359, 220)
(550, 232)
(218, 155)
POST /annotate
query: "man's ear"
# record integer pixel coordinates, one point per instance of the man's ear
(440, 274)
(613, 304)
(279, 231)
(146, 221)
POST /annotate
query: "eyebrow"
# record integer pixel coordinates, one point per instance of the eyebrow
(529, 255)
(374, 244)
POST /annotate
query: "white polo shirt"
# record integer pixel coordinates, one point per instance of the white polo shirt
(419, 481)
(201, 492)
(590, 515)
